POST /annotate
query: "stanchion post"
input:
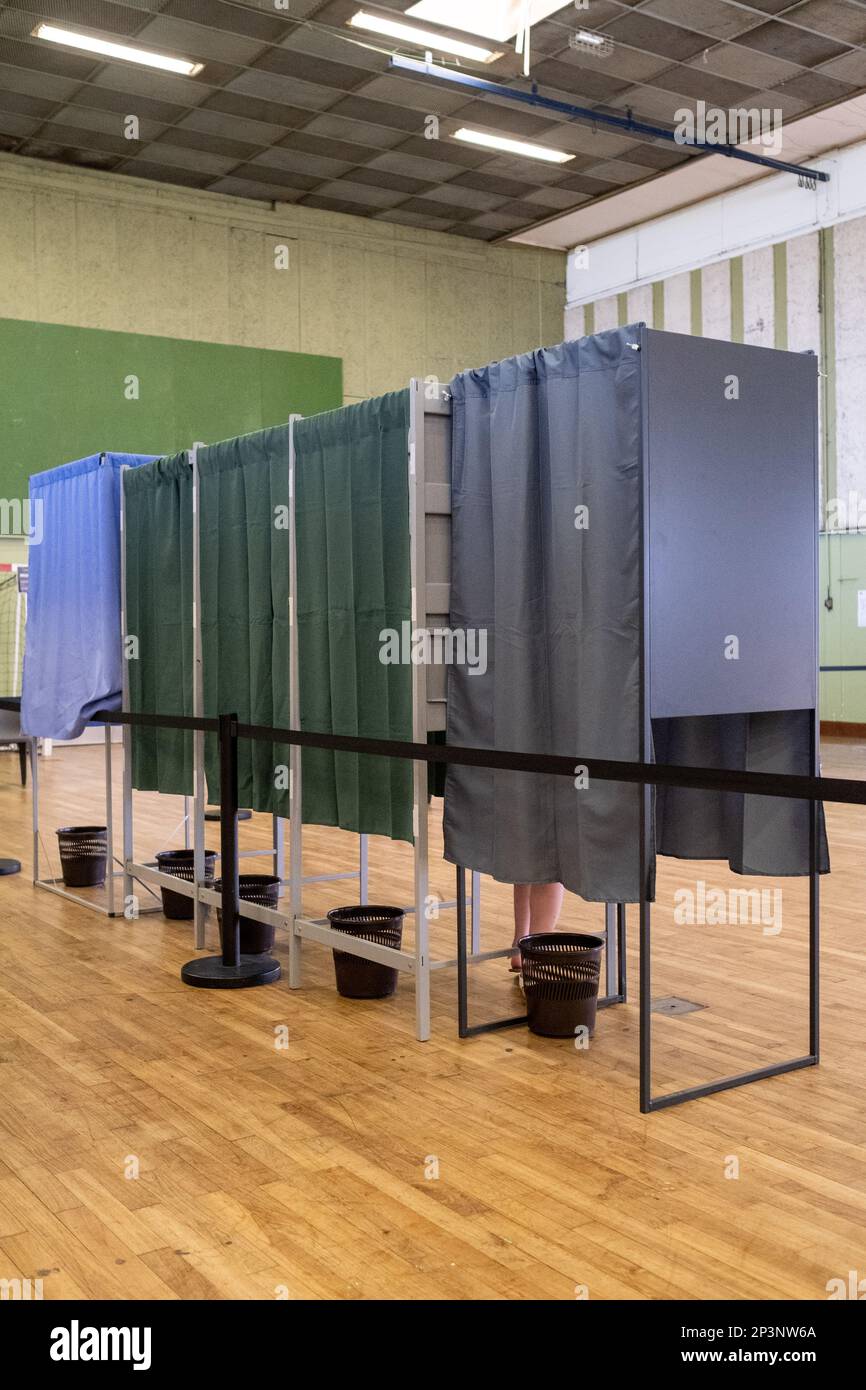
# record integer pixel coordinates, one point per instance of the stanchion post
(231, 924)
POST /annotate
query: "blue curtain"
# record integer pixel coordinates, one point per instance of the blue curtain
(73, 659)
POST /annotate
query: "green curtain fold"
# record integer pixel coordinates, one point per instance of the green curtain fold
(352, 504)
(244, 500)
(158, 540)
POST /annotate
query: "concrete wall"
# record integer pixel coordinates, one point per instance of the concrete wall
(97, 250)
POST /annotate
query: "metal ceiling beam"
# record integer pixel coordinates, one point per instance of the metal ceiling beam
(585, 113)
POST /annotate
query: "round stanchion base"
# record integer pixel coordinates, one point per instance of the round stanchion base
(209, 972)
(9, 866)
(213, 813)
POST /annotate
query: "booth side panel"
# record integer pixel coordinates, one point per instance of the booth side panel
(731, 527)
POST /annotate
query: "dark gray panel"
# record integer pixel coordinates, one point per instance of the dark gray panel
(731, 526)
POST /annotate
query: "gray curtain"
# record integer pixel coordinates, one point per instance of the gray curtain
(755, 834)
(534, 438)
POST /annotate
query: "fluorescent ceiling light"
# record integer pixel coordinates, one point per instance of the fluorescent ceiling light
(494, 19)
(594, 40)
(501, 142)
(424, 38)
(106, 49)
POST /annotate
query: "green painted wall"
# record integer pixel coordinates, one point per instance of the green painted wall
(65, 393)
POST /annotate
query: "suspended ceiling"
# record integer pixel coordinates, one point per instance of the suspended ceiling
(289, 111)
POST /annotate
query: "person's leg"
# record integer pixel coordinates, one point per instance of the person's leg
(545, 905)
(521, 919)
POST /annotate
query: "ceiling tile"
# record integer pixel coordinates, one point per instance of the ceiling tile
(615, 171)
(24, 104)
(314, 166)
(238, 106)
(445, 151)
(69, 154)
(415, 219)
(851, 67)
(655, 155)
(219, 123)
(305, 143)
(355, 108)
(380, 178)
(582, 85)
(277, 178)
(490, 183)
(264, 26)
(45, 58)
(496, 222)
(418, 96)
(816, 89)
(65, 134)
(158, 86)
(367, 195)
(453, 211)
(38, 84)
(339, 128)
(180, 157)
(626, 63)
(701, 85)
(186, 40)
(100, 16)
(458, 196)
(128, 104)
(409, 165)
(306, 67)
(506, 119)
(555, 199)
(316, 200)
(17, 124)
(711, 17)
(267, 86)
(245, 188)
(838, 18)
(745, 65)
(795, 45)
(656, 36)
(109, 122)
(468, 229)
(210, 144)
(580, 183)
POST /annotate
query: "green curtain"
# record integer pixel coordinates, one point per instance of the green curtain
(352, 500)
(244, 490)
(158, 534)
(13, 618)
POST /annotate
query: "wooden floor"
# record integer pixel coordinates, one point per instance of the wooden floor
(157, 1142)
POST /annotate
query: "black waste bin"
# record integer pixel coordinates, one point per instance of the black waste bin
(560, 980)
(180, 863)
(358, 978)
(256, 937)
(83, 855)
